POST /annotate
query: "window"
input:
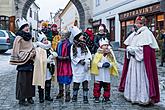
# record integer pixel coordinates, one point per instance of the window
(123, 33)
(35, 16)
(97, 3)
(151, 21)
(126, 30)
(112, 29)
(4, 22)
(160, 22)
(130, 25)
(30, 13)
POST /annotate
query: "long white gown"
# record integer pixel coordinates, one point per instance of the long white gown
(137, 84)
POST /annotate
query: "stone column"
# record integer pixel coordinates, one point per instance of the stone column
(22, 7)
(87, 5)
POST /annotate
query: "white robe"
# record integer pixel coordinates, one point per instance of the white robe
(137, 83)
(80, 72)
(104, 74)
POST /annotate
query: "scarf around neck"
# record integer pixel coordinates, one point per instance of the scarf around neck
(25, 35)
(90, 34)
(81, 44)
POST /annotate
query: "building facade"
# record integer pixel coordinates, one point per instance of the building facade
(68, 16)
(32, 18)
(7, 15)
(57, 19)
(119, 16)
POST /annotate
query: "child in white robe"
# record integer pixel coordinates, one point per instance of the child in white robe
(80, 62)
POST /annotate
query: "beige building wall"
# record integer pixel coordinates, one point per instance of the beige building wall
(68, 16)
(7, 8)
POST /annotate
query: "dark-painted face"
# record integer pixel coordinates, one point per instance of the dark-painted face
(81, 38)
(26, 29)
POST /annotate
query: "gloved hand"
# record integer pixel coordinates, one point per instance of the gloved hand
(33, 54)
(131, 50)
(54, 54)
(67, 58)
(63, 58)
(82, 62)
(106, 65)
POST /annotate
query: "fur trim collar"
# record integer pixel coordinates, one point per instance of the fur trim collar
(44, 46)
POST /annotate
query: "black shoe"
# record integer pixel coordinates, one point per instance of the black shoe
(85, 100)
(67, 98)
(48, 99)
(97, 100)
(161, 65)
(41, 100)
(105, 100)
(59, 96)
(74, 98)
(30, 100)
(41, 94)
(23, 102)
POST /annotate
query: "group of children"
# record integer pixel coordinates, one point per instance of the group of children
(73, 62)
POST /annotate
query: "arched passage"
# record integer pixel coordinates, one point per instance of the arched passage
(22, 7)
(81, 12)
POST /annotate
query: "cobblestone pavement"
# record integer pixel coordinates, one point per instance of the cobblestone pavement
(8, 101)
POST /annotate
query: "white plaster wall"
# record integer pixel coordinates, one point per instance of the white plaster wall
(7, 7)
(57, 20)
(68, 18)
(31, 20)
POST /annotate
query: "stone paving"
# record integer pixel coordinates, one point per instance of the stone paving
(8, 101)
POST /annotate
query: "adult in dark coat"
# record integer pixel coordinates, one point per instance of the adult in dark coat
(89, 38)
(102, 34)
(22, 55)
(46, 29)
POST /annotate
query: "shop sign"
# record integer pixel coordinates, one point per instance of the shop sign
(140, 11)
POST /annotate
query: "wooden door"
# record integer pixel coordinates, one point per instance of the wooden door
(112, 29)
(12, 23)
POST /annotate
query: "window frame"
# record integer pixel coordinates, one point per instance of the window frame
(97, 3)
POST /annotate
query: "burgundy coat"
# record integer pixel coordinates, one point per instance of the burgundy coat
(151, 69)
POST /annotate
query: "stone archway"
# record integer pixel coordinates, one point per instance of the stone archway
(84, 10)
(81, 12)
